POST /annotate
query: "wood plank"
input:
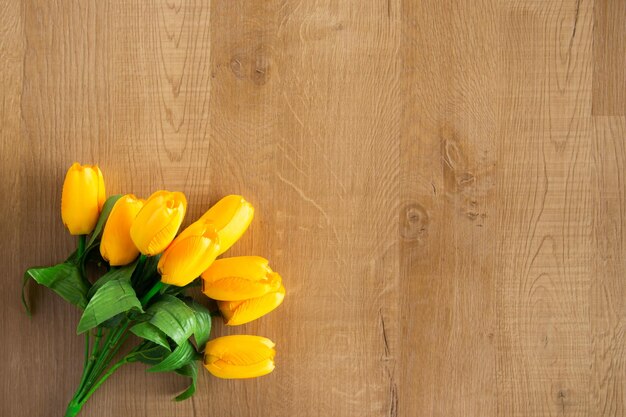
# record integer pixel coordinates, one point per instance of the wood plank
(124, 85)
(11, 59)
(545, 249)
(609, 58)
(449, 145)
(304, 112)
(608, 293)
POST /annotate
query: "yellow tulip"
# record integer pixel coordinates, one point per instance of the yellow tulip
(116, 246)
(158, 222)
(190, 254)
(239, 356)
(231, 216)
(241, 312)
(239, 278)
(82, 198)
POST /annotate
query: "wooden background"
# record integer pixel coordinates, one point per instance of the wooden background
(441, 183)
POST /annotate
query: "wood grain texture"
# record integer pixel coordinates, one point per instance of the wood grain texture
(449, 142)
(440, 182)
(609, 58)
(545, 247)
(11, 75)
(607, 296)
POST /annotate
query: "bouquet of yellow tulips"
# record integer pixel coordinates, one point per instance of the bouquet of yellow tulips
(145, 268)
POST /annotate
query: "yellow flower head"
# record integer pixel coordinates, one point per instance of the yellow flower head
(190, 254)
(231, 216)
(158, 222)
(239, 278)
(239, 356)
(241, 312)
(116, 246)
(82, 198)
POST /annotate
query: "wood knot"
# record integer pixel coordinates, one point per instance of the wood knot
(255, 66)
(414, 221)
(562, 398)
(237, 66)
(261, 70)
(465, 179)
(453, 155)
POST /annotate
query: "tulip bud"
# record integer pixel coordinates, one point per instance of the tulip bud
(82, 198)
(158, 222)
(241, 312)
(189, 255)
(116, 246)
(231, 216)
(239, 278)
(239, 356)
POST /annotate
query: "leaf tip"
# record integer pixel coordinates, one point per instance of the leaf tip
(80, 328)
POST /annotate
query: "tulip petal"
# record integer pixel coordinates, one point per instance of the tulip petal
(239, 278)
(253, 268)
(239, 356)
(116, 245)
(157, 223)
(236, 288)
(224, 370)
(240, 312)
(221, 346)
(163, 237)
(231, 216)
(83, 188)
(101, 188)
(187, 258)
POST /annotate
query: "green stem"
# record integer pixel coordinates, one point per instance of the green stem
(82, 259)
(102, 358)
(94, 363)
(155, 289)
(141, 262)
(84, 393)
(82, 239)
(86, 352)
(116, 347)
(101, 380)
(92, 358)
(126, 359)
(97, 344)
(73, 408)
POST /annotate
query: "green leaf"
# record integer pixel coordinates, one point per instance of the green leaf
(202, 329)
(173, 317)
(191, 371)
(151, 355)
(64, 279)
(73, 258)
(181, 356)
(123, 273)
(145, 277)
(112, 298)
(113, 321)
(175, 290)
(150, 332)
(104, 215)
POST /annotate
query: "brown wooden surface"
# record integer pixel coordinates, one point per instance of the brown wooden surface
(609, 37)
(441, 183)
